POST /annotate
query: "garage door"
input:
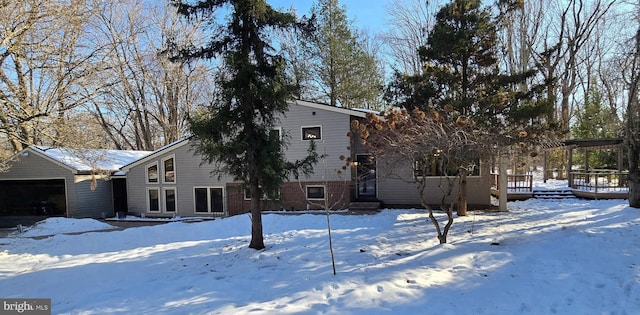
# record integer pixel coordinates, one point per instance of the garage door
(32, 197)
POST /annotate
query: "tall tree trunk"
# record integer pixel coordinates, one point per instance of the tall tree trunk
(257, 240)
(633, 127)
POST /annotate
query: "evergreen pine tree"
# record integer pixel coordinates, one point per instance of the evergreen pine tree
(461, 74)
(344, 73)
(461, 71)
(235, 131)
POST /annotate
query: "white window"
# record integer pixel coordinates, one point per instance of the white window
(169, 170)
(153, 199)
(209, 199)
(315, 192)
(170, 200)
(152, 173)
(273, 196)
(312, 133)
(437, 166)
(276, 132)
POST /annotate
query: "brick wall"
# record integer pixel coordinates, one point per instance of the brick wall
(292, 197)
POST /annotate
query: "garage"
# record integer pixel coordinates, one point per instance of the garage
(33, 197)
(76, 183)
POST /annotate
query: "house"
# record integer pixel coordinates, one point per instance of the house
(72, 182)
(173, 181)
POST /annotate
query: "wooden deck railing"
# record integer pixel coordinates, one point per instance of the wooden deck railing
(516, 183)
(600, 181)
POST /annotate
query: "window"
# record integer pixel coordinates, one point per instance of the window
(152, 174)
(169, 170)
(153, 199)
(170, 200)
(276, 133)
(201, 199)
(437, 166)
(315, 192)
(312, 133)
(273, 196)
(209, 199)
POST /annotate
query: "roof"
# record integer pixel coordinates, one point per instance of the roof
(362, 113)
(593, 143)
(89, 159)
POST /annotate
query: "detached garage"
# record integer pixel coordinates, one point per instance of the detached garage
(62, 182)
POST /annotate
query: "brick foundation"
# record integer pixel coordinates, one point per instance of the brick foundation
(292, 197)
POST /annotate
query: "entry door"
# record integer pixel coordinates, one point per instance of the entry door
(366, 176)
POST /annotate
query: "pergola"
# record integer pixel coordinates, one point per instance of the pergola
(616, 144)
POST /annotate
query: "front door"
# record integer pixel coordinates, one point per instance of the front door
(366, 176)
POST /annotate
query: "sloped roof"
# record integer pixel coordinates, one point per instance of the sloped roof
(89, 159)
(348, 111)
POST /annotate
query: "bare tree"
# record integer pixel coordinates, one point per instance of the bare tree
(332, 199)
(408, 25)
(632, 136)
(438, 143)
(559, 32)
(44, 61)
(146, 98)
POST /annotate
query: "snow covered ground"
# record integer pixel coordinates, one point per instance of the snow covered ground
(567, 256)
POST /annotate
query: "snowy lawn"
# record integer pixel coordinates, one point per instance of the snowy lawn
(567, 256)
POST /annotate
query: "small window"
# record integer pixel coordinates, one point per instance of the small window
(170, 200)
(265, 196)
(312, 133)
(315, 192)
(437, 166)
(169, 170)
(200, 195)
(276, 133)
(153, 199)
(152, 174)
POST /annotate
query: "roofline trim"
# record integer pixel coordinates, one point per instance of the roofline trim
(155, 154)
(330, 108)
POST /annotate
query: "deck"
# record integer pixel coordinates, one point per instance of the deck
(596, 184)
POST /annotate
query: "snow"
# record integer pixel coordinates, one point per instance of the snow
(567, 256)
(92, 159)
(58, 225)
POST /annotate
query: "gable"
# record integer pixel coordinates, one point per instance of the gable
(155, 154)
(30, 164)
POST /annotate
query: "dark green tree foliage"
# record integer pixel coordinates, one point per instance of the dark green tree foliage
(595, 120)
(460, 69)
(235, 131)
(344, 73)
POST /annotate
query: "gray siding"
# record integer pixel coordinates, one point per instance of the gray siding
(394, 187)
(334, 142)
(189, 174)
(93, 203)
